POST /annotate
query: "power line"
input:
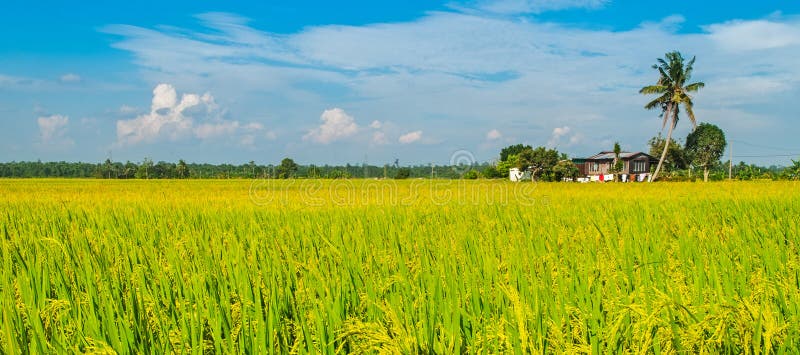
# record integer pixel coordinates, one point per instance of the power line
(763, 146)
(767, 156)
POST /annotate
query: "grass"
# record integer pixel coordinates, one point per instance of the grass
(398, 267)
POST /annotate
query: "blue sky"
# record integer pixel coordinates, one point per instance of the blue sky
(341, 82)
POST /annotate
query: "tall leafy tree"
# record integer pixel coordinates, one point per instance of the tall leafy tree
(287, 168)
(617, 165)
(673, 88)
(676, 156)
(181, 171)
(515, 149)
(705, 146)
(539, 161)
(145, 168)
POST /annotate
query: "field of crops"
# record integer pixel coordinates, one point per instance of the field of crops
(398, 267)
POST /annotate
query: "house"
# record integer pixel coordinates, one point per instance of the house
(598, 166)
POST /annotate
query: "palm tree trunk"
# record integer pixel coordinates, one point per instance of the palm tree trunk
(666, 143)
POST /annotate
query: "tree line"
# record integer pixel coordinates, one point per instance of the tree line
(287, 168)
(549, 165)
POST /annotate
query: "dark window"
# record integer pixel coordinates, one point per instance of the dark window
(639, 165)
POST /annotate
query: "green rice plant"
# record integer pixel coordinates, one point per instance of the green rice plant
(349, 266)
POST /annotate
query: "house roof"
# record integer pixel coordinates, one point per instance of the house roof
(622, 155)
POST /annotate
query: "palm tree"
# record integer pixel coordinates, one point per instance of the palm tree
(673, 92)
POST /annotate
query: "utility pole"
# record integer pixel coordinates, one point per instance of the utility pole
(364, 166)
(730, 163)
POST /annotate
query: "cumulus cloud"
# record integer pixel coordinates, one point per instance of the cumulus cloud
(493, 135)
(173, 119)
(410, 137)
(558, 133)
(70, 78)
(336, 125)
(53, 130)
(376, 124)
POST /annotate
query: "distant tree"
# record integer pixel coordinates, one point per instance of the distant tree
(539, 161)
(287, 168)
(506, 152)
(491, 172)
(129, 170)
(108, 169)
(565, 169)
(181, 171)
(503, 166)
(792, 172)
(617, 165)
(403, 173)
(163, 170)
(471, 175)
(252, 166)
(747, 172)
(673, 90)
(338, 174)
(675, 157)
(705, 146)
(144, 169)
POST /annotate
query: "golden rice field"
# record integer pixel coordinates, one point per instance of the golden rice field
(323, 267)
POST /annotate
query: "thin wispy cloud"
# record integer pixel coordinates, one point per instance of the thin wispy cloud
(53, 130)
(70, 78)
(537, 6)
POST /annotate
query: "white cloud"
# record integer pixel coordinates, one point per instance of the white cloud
(70, 78)
(538, 6)
(410, 137)
(754, 35)
(379, 138)
(493, 135)
(7, 81)
(336, 125)
(53, 130)
(563, 132)
(88, 121)
(251, 135)
(211, 130)
(576, 138)
(376, 124)
(169, 118)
